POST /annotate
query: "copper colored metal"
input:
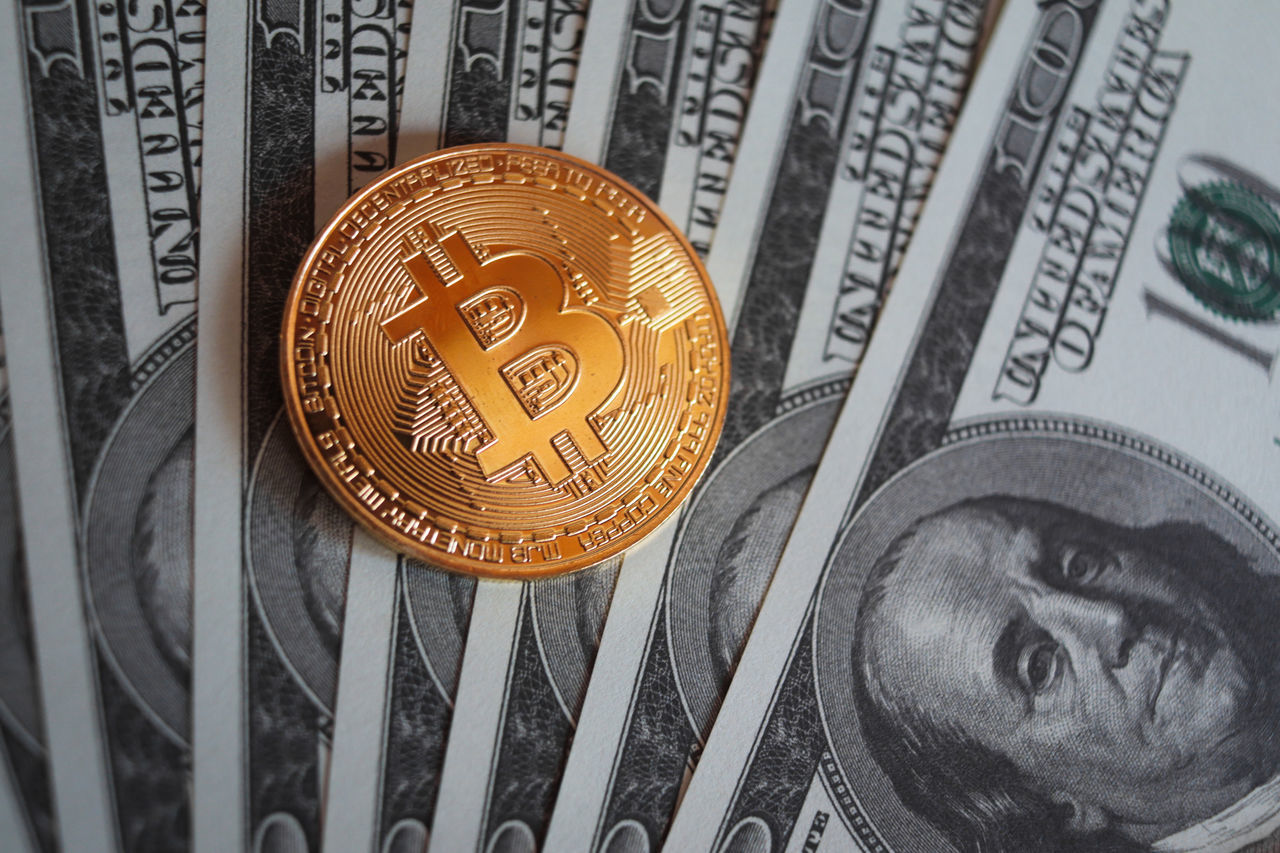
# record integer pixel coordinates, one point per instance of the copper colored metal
(505, 360)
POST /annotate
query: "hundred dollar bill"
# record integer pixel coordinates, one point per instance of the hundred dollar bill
(492, 71)
(26, 811)
(683, 121)
(812, 236)
(395, 703)
(1029, 601)
(482, 72)
(666, 98)
(303, 107)
(528, 657)
(102, 164)
(519, 697)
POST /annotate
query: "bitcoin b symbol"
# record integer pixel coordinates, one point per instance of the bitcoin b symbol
(517, 354)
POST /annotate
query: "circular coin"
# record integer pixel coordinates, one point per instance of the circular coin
(505, 360)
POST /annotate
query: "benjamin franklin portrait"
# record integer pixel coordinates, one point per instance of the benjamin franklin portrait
(1090, 663)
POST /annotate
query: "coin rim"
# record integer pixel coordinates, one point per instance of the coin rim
(457, 563)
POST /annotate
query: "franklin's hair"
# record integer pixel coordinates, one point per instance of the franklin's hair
(745, 564)
(974, 795)
(160, 549)
(321, 545)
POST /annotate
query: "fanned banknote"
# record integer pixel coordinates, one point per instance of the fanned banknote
(482, 72)
(663, 108)
(395, 704)
(26, 811)
(492, 71)
(103, 151)
(524, 680)
(303, 107)
(1029, 601)
(666, 98)
(811, 237)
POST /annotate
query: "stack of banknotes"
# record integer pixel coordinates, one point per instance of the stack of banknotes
(987, 559)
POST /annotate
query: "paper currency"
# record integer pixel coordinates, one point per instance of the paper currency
(811, 237)
(482, 91)
(667, 123)
(302, 110)
(103, 152)
(519, 697)
(26, 810)
(394, 716)
(464, 83)
(664, 103)
(1028, 601)
(492, 71)
(714, 70)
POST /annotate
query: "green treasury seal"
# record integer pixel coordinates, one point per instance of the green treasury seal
(1224, 242)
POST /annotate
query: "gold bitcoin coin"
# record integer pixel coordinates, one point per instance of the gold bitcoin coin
(505, 360)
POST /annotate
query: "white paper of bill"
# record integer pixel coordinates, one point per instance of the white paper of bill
(26, 810)
(519, 693)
